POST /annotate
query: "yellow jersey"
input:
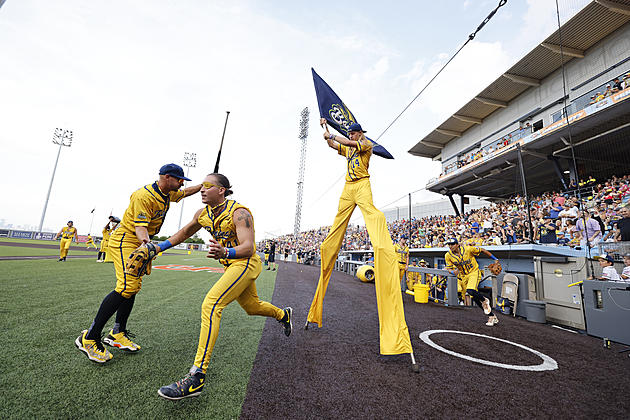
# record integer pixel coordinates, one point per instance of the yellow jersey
(403, 254)
(358, 160)
(464, 260)
(106, 233)
(222, 227)
(68, 232)
(147, 207)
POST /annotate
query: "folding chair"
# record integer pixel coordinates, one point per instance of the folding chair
(509, 290)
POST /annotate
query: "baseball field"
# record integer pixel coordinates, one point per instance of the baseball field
(517, 368)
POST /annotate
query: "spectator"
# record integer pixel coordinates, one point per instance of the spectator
(606, 262)
(623, 225)
(546, 232)
(592, 233)
(616, 87)
(625, 274)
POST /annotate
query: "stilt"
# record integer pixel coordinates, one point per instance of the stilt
(414, 365)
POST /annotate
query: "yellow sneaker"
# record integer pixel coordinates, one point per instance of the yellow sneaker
(121, 341)
(93, 349)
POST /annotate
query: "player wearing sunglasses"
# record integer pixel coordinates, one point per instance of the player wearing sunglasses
(233, 244)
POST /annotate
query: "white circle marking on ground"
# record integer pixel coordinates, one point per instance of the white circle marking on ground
(547, 364)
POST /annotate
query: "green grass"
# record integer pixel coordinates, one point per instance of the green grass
(44, 305)
(15, 251)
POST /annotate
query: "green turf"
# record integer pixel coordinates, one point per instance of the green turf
(44, 305)
(18, 251)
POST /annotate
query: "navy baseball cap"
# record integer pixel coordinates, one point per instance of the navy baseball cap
(606, 257)
(173, 170)
(356, 127)
(451, 241)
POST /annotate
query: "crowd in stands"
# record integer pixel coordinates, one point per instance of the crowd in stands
(616, 85)
(489, 149)
(558, 219)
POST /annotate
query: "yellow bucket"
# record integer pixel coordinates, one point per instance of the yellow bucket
(421, 293)
(365, 273)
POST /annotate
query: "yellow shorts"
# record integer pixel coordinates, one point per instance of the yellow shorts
(469, 281)
(120, 246)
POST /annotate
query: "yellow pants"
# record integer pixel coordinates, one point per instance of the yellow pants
(238, 282)
(120, 246)
(88, 244)
(470, 280)
(64, 245)
(401, 272)
(394, 334)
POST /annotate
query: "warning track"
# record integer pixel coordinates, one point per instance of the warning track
(337, 372)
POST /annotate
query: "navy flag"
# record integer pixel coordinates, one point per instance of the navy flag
(337, 114)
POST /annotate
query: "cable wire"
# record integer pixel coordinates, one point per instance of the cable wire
(470, 38)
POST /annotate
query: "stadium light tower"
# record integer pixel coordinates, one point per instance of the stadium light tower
(62, 137)
(190, 161)
(300, 184)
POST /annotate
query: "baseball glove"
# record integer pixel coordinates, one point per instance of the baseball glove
(495, 267)
(139, 260)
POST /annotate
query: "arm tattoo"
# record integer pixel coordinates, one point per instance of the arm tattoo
(244, 215)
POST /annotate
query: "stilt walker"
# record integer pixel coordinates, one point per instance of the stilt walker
(394, 334)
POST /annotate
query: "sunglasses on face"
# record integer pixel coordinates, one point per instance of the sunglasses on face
(208, 185)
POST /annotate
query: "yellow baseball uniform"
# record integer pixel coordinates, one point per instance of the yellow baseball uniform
(90, 242)
(105, 241)
(403, 257)
(464, 260)
(147, 207)
(236, 283)
(67, 233)
(394, 334)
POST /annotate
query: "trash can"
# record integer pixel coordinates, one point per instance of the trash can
(535, 311)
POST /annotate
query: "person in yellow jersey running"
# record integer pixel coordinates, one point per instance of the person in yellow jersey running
(461, 262)
(142, 220)
(90, 242)
(232, 228)
(68, 233)
(394, 334)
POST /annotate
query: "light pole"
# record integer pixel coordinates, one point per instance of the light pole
(190, 161)
(62, 137)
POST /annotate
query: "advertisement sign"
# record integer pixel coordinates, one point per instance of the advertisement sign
(47, 236)
(4, 233)
(81, 238)
(20, 234)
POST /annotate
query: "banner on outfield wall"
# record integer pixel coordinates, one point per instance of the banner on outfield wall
(82, 238)
(47, 236)
(21, 234)
(4, 233)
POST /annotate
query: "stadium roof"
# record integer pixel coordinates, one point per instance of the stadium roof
(589, 26)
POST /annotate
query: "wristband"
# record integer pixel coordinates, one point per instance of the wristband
(331, 137)
(494, 258)
(164, 245)
(231, 253)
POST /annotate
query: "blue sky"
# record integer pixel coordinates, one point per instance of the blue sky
(141, 82)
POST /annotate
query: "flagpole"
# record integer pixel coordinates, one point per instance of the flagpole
(91, 221)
